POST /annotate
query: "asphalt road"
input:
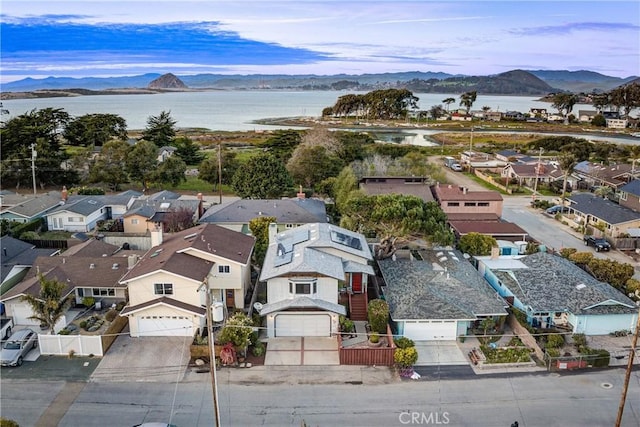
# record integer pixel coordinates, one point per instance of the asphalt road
(579, 400)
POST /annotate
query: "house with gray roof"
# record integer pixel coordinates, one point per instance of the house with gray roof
(145, 214)
(289, 213)
(554, 292)
(629, 195)
(436, 295)
(305, 270)
(77, 214)
(599, 175)
(17, 257)
(602, 215)
(30, 207)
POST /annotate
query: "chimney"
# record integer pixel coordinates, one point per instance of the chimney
(301, 194)
(495, 252)
(65, 193)
(156, 235)
(273, 231)
(131, 261)
(464, 190)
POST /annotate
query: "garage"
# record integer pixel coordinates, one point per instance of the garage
(302, 325)
(430, 330)
(21, 313)
(165, 326)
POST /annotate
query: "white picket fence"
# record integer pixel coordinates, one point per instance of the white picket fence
(82, 345)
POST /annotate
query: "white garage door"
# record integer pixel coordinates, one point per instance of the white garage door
(430, 331)
(303, 325)
(164, 326)
(21, 313)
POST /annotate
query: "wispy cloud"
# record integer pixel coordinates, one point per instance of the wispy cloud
(565, 29)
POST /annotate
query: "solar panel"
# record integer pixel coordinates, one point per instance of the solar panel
(284, 259)
(346, 240)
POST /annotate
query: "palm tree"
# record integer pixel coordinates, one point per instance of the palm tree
(467, 99)
(448, 101)
(567, 162)
(49, 306)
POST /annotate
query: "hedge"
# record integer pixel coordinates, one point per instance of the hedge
(112, 332)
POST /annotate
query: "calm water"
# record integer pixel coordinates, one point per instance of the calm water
(234, 110)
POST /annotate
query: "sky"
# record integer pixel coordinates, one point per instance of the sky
(98, 38)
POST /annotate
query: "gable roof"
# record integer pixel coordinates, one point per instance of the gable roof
(606, 210)
(453, 193)
(82, 205)
(147, 208)
(552, 283)
(99, 248)
(524, 170)
(36, 205)
(164, 195)
(491, 228)
(75, 271)
(441, 285)
(16, 252)
(286, 211)
(199, 311)
(632, 187)
(176, 254)
(610, 174)
(305, 250)
(302, 303)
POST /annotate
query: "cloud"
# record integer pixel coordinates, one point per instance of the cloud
(565, 29)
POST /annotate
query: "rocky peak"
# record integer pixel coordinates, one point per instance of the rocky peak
(167, 81)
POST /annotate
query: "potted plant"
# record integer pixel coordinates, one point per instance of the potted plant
(374, 340)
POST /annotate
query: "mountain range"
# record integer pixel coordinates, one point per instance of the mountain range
(516, 82)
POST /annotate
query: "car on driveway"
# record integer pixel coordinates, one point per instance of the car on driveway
(597, 242)
(553, 210)
(17, 347)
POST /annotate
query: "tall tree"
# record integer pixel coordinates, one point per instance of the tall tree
(259, 227)
(346, 183)
(161, 129)
(262, 177)
(95, 129)
(467, 99)
(170, 172)
(567, 162)
(477, 244)
(50, 304)
(448, 101)
(564, 103)
(188, 151)
(282, 143)
(310, 165)
(142, 163)
(110, 166)
(208, 169)
(625, 98)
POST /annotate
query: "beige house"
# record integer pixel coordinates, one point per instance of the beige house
(166, 288)
(454, 200)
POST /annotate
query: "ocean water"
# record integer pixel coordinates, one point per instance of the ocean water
(236, 110)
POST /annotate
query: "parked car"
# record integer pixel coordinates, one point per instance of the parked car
(456, 167)
(597, 242)
(17, 347)
(557, 209)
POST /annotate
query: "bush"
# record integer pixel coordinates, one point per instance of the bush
(378, 315)
(404, 342)
(567, 252)
(120, 306)
(579, 340)
(237, 331)
(554, 341)
(553, 352)
(89, 302)
(581, 257)
(405, 357)
(259, 349)
(64, 332)
(602, 358)
(5, 422)
(374, 338)
(347, 325)
(29, 235)
(111, 314)
(83, 324)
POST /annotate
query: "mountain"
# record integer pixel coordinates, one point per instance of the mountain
(167, 81)
(516, 82)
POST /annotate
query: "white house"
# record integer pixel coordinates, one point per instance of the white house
(167, 287)
(304, 269)
(77, 214)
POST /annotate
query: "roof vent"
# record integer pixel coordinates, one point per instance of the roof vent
(92, 266)
(581, 286)
(115, 266)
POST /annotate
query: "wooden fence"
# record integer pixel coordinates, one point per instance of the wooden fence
(380, 356)
(48, 244)
(491, 180)
(112, 332)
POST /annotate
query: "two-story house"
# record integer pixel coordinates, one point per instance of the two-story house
(454, 199)
(305, 270)
(629, 195)
(167, 287)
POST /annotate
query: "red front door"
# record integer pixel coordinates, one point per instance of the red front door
(356, 282)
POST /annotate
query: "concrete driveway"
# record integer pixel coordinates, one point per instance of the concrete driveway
(151, 359)
(439, 353)
(302, 351)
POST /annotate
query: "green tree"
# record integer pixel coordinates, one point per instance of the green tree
(208, 169)
(142, 163)
(378, 315)
(161, 129)
(625, 98)
(188, 151)
(467, 99)
(50, 304)
(111, 165)
(310, 164)
(237, 331)
(346, 183)
(477, 244)
(282, 143)
(448, 101)
(564, 103)
(170, 172)
(95, 129)
(262, 177)
(613, 272)
(259, 227)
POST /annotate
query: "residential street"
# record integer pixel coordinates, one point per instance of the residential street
(567, 400)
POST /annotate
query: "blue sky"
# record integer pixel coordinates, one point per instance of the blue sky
(114, 38)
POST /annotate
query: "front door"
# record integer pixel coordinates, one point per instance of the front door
(230, 298)
(356, 283)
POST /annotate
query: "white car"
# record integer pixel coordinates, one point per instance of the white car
(17, 347)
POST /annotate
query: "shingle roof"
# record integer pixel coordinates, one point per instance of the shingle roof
(200, 311)
(306, 249)
(164, 195)
(632, 187)
(443, 285)
(36, 205)
(171, 256)
(82, 205)
(99, 248)
(16, 252)
(491, 228)
(551, 283)
(531, 171)
(286, 211)
(302, 303)
(472, 216)
(148, 207)
(606, 210)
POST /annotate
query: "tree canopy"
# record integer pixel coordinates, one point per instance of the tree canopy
(477, 244)
(208, 169)
(111, 164)
(95, 129)
(49, 305)
(161, 129)
(262, 177)
(142, 163)
(259, 227)
(384, 104)
(188, 151)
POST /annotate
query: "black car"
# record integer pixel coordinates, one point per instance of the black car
(597, 242)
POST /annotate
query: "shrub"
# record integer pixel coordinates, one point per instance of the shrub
(30, 235)
(237, 331)
(347, 325)
(64, 332)
(88, 302)
(403, 342)
(83, 324)
(567, 252)
(579, 340)
(374, 338)
(553, 352)
(554, 341)
(259, 349)
(111, 314)
(5, 422)
(405, 357)
(602, 358)
(378, 315)
(120, 306)
(581, 257)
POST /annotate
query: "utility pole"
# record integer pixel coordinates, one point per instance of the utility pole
(212, 355)
(471, 143)
(627, 375)
(220, 171)
(535, 184)
(34, 154)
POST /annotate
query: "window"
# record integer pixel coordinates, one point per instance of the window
(483, 204)
(103, 292)
(289, 226)
(223, 269)
(163, 289)
(453, 204)
(469, 203)
(134, 221)
(303, 288)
